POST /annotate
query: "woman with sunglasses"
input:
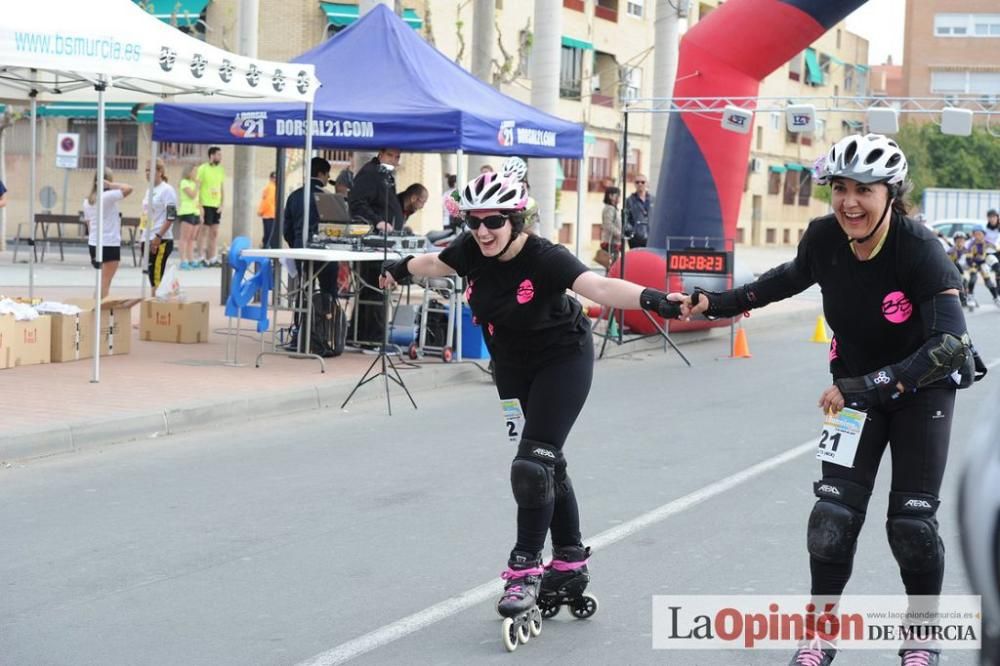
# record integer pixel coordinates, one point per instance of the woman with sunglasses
(540, 342)
(900, 349)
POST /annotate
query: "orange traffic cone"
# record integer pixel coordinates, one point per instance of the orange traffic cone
(740, 347)
(819, 333)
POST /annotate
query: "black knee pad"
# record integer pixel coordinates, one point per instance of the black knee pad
(913, 531)
(532, 474)
(836, 519)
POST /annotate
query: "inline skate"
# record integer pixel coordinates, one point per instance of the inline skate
(566, 577)
(518, 606)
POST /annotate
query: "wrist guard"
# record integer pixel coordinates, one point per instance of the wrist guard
(723, 304)
(871, 390)
(657, 301)
(398, 269)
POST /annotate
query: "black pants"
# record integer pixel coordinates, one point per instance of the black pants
(271, 238)
(326, 278)
(917, 429)
(158, 261)
(551, 396)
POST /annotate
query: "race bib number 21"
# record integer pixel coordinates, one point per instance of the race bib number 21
(838, 442)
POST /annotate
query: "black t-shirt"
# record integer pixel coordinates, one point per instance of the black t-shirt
(873, 306)
(521, 304)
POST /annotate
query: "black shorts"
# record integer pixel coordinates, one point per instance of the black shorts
(190, 219)
(212, 215)
(108, 252)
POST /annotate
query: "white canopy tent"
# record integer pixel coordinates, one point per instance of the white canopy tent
(52, 50)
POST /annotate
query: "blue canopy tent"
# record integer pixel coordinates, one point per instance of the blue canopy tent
(383, 85)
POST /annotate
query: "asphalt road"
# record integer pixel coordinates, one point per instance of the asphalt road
(316, 534)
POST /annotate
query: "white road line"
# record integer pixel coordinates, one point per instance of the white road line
(477, 595)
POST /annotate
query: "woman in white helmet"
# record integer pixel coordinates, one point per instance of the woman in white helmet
(540, 343)
(900, 349)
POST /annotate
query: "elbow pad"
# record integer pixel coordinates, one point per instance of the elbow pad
(938, 358)
(657, 301)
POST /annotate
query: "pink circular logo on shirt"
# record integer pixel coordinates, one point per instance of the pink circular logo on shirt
(896, 307)
(525, 292)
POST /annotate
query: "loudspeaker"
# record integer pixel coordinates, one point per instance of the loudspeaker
(883, 120)
(736, 119)
(801, 118)
(956, 121)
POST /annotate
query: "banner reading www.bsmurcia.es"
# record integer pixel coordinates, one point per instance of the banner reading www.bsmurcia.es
(787, 621)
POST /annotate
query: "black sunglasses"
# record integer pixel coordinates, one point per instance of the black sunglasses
(491, 221)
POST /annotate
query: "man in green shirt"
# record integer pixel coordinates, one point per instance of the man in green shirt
(211, 176)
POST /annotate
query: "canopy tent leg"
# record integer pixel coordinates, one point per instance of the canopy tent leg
(31, 192)
(459, 183)
(99, 254)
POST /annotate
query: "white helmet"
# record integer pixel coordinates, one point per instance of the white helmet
(872, 158)
(514, 167)
(491, 191)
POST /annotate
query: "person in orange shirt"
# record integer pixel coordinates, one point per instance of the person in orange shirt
(266, 209)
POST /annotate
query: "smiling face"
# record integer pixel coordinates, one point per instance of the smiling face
(858, 206)
(491, 241)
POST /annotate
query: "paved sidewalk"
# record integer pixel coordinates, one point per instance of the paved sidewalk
(162, 388)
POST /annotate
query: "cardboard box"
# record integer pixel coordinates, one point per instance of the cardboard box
(6, 341)
(32, 343)
(172, 321)
(73, 335)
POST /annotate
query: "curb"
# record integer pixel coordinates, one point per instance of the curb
(92, 435)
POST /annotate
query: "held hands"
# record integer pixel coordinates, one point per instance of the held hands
(696, 304)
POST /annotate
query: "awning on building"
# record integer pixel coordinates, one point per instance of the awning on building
(855, 125)
(341, 15)
(574, 43)
(814, 74)
(142, 113)
(184, 12)
(778, 168)
(792, 166)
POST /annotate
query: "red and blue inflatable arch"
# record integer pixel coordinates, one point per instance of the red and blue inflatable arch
(726, 55)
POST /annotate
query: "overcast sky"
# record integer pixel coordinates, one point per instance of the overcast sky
(881, 23)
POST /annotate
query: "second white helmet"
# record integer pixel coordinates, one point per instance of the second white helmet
(869, 158)
(514, 167)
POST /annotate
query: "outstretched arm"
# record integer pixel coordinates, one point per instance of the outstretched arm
(627, 295)
(401, 270)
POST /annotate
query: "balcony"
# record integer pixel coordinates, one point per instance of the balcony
(607, 10)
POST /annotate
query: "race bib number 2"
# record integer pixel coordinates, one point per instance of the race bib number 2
(838, 442)
(513, 418)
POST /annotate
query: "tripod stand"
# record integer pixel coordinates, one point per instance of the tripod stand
(384, 358)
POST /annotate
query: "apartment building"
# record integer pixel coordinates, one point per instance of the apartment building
(606, 58)
(778, 199)
(952, 47)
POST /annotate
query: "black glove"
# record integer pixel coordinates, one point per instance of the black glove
(657, 301)
(398, 269)
(871, 390)
(722, 304)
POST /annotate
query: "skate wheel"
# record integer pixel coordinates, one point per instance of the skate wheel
(535, 623)
(549, 610)
(508, 632)
(447, 354)
(523, 632)
(584, 607)
(413, 352)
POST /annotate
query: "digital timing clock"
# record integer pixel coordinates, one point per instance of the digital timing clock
(693, 260)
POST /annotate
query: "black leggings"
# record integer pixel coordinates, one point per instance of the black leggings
(917, 428)
(551, 396)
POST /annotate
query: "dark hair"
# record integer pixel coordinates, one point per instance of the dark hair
(319, 165)
(452, 179)
(274, 174)
(610, 192)
(414, 190)
(900, 193)
(213, 150)
(517, 219)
